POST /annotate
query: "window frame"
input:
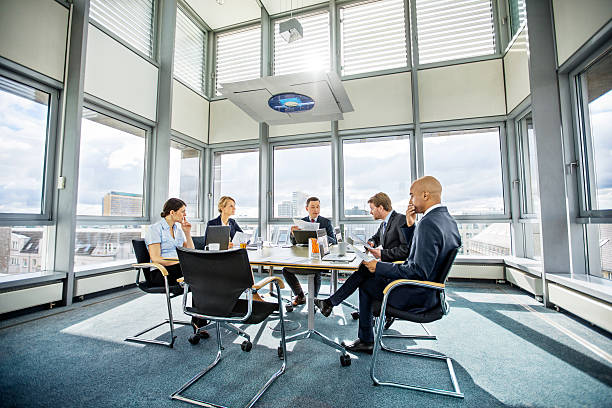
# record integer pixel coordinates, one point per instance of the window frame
(505, 173)
(46, 215)
(86, 220)
(408, 134)
(583, 161)
(232, 148)
(178, 138)
(302, 142)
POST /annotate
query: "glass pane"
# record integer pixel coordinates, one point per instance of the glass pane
(450, 30)
(23, 135)
(236, 174)
(310, 53)
(23, 250)
(599, 84)
(105, 245)
(468, 164)
(185, 176)
(365, 160)
(362, 231)
(518, 15)
(533, 235)
(485, 239)
(533, 170)
(238, 56)
(301, 172)
(278, 234)
(111, 167)
(189, 55)
(373, 36)
(605, 249)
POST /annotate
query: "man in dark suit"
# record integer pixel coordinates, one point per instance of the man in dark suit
(313, 206)
(435, 236)
(389, 234)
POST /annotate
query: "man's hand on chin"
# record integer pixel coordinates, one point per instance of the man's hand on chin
(371, 265)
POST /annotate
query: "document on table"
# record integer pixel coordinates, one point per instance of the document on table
(359, 242)
(364, 256)
(241, 237)
(306, 226)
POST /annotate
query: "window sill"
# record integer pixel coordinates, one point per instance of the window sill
(593, 286)
(12, 281)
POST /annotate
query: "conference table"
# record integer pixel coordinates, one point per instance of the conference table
(297, 257)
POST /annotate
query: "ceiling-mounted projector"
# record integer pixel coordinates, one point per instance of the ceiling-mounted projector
(291, 30)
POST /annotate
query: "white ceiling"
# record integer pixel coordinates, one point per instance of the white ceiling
(233, 12)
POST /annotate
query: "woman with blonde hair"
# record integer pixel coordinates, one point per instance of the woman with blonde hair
(227, 208)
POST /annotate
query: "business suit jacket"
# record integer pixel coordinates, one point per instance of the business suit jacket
(394, 243)
(433, 238)
(323, 223)
(231, 222)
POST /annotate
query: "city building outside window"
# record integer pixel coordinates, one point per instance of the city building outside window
(236, 174)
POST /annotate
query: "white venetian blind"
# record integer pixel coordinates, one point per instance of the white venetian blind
(453, 29)
(238, 55)
(373, 36)
(310, 53)
(131, 21)
(189, 52)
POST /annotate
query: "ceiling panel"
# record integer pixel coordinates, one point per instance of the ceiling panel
(280, 6)
(229, 13)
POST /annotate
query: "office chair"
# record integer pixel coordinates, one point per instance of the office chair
(381, 310)
(217, 280)
(198, 242)
(144, 265)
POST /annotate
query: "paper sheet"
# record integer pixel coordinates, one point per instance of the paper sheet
(306, 226)
(241, 237)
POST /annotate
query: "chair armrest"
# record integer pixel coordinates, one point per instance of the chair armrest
(425, 284)
(180, 280)
(267, 280)
(161, 267)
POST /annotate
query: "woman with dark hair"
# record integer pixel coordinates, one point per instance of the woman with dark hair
(162, 238)
(227, 208)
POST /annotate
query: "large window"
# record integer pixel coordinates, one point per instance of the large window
(24, 118)
(105, 246)
(131, 21)
(238, 56)
(111, 167)
(185, 176)
(300, 172)
(449, 30)
(518, 15)
(189, 52)
(468, 164)
(310, 53)
(480, 239)
(373, 36)
(23, 250)
(368, 164)
(236, 174)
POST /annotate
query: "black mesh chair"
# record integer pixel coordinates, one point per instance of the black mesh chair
(148, 268)
(381, 310)
(217, 280)
(199, 242)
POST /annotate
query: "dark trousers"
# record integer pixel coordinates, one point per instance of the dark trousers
(174, 272)
(294, 283)
(370, 288)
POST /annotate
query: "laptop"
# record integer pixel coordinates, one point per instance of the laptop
(364, 256)
(301, 236)
(218, 234)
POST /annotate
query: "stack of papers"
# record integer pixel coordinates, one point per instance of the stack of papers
(241, 238)
(306, 226)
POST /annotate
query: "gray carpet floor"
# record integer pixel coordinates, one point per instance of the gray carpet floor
(508, 350)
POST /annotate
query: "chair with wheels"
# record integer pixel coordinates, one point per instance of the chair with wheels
(381, 310)
(171, 290)
(218, 280)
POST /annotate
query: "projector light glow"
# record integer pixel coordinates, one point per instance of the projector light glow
(290, 102)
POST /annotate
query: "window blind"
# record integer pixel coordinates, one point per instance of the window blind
(453, 29)
(189, 52)
(310, 53)
(238, 56)
(131, 21)
(373, 36)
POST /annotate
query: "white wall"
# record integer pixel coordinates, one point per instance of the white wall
(33, 33)
(516, 70)
(576, 21)
(379, 101)
(118, 75)
(229, 123)
(300, 128)
(189, 112)
(462, 91)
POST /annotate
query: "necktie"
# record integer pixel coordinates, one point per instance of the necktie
(312, 220)
(384, 229)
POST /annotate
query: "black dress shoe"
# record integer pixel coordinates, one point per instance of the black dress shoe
(359, 346)
(324, 306)
(389, 321)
